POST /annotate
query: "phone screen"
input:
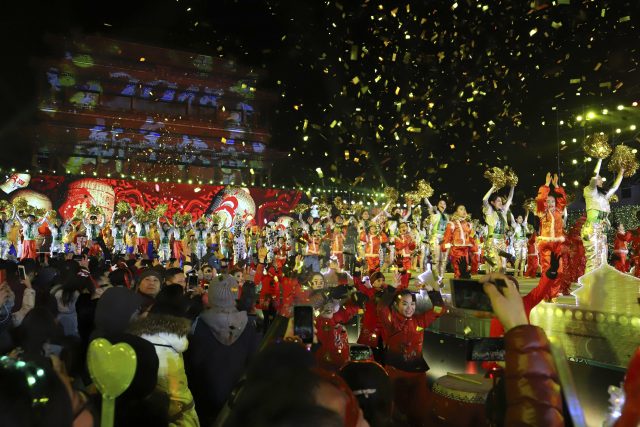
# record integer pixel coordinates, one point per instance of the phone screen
(192, 281)
(469, 295)
(21, 272)
(485, 349)
(303, 323)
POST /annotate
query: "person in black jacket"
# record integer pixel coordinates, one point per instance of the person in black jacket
(223, 342)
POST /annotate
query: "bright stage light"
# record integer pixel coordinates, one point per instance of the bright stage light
(620, 107)
(579, 118)
(591, 115)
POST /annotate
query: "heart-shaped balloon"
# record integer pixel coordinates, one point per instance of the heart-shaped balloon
(112, 367)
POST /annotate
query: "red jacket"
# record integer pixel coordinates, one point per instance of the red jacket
(313, 245)
(404, 337)
(405, 245)
(372, 243)
(333, 352)
(457, 233)
(370, 325)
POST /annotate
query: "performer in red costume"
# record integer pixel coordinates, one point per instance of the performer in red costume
(337, 242)
(333, 352)
(281, 252)
(372, 242)
(532, 256)
(573, 260)
(404, 335)
(457, 240)
(405, 245)
(549, 209)
(620, 249)
(371, 331)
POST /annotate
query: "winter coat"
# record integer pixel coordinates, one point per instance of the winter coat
(222, 344)
(531, 379)
(168, 334)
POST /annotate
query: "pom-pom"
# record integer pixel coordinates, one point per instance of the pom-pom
(21, 205)
(614, 199)
(413, 197)
(529, 205)
(78, 214)
(340, 204)
(95, 210)
(5, 206)
(424, 189)
(511, 177)
(300, 208)
(391, 194)
(122, 207)
(141, 214)
(623, 158)
(597, 145)
(497, 177)
(161, 210)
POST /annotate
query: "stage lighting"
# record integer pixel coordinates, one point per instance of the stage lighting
(620, 107)
(591, 115)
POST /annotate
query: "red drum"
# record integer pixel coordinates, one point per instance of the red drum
(459, 400)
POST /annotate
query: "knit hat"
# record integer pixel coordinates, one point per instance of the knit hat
(223, 292)
(148, 272)
(375, 276)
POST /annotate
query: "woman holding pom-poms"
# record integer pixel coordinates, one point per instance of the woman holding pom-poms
(495, 210)
(594, 233)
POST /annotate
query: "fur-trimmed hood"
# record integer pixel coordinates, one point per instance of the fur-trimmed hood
(154, 324)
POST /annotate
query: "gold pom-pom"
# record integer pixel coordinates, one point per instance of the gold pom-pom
(141, 214)
(391, 194)
(78, 214)
(424, 189)
(597, 145)
(5, 206)
(300, 208)
(95, 210)
(614, 199)
(340, 204)
(413, 197)
(529, 205)
(623, 158)
(122, 207)
(324, 209)
(161, 210)
(497, 177)
(21, 205)
(511, 177)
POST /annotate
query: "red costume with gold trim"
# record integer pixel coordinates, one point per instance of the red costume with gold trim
(457, 239)
(372, 244)
(337, 244)
(405, 245)
(333, 352)
(532, 257)
(551, 225)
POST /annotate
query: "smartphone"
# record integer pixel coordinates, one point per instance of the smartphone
(107, 263)
(192, 281)
(436, 298)
(468, 294)
(485, 349)
(22, 274)
(303, 323)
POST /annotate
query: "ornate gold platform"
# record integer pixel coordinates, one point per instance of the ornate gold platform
(601, 322)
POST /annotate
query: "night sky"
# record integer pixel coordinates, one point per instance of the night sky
(383, 93)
